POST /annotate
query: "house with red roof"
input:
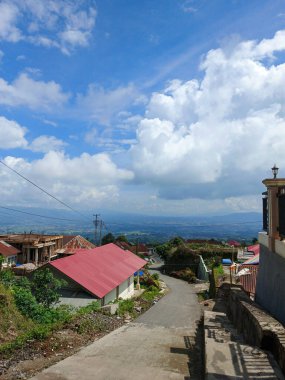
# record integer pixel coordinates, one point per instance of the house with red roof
(8, 253)
(71, 243)
(103, 273)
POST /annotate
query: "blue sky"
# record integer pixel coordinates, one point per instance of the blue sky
(158, 107)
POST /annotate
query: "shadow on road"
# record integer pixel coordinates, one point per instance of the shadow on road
(194, 349)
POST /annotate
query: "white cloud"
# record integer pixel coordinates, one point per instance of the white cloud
(86, 181)
(216, 137)
(9, 14)
(49, 23)
(35, 94)
(103, 105)
(12, 135)
(45, 144)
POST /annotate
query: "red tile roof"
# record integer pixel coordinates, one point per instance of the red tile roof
(101, 269)
(7, 249)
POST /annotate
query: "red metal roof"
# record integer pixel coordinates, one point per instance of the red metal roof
(73, 243)
(101, 269)
(254, 248)
(7, 249)
(234, 243)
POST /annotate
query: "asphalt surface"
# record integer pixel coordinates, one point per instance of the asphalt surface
(158, 345)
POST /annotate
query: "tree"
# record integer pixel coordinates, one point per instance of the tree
(109, 238)
(45, 287)
(122, 238)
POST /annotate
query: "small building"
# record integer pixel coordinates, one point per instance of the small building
(104, 273)
(9, 253)
(34, 248)
(71, 243)
(270, 286)
(233, 243)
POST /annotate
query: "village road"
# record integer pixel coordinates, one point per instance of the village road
(158, 345)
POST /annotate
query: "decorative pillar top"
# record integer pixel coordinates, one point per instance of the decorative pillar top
(274, 182)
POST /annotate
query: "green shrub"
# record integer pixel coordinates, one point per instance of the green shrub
(126, 306)
(28, 306)
(155, 276)
(92, 307)
(7, 277)
(45, 287)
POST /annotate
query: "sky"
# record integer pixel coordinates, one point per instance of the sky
(166, 107)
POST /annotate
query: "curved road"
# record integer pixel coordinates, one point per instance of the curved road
(158, 345)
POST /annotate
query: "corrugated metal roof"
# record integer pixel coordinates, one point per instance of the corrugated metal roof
(101, 269)
(72, 243)
(254, 248)
(7, 249)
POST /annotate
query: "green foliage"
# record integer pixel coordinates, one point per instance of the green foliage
(163, 250)
(12, 322)
(2, 259)
(109, 238)
(7, 277)
(23, 282)
(28, 306)
(122, 238)
(91, 308)
(89, 325)
(182, 258)
(126, 306)
(184, 274)
(155, 276)
(150, 294)
(176, 241)
(218, 270)
(45, 287)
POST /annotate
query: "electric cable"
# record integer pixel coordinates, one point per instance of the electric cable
(43, 190)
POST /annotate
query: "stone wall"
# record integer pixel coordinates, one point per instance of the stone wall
(258, 327)
(270, 287)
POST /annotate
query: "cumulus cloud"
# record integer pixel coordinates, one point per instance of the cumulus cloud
(85, 180)
(9, 14)
(216, 136)
(103, 105)
(12, 135)
(45, 144)
(50, 23)
(35, 94)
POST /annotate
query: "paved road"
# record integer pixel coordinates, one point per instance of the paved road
(158, 345)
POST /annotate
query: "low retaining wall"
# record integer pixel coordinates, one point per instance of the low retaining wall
(257, 326)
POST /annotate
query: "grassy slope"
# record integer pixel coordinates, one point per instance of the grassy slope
(12, 322)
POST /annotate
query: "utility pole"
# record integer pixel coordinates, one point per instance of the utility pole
(96, 224)
(100, 238)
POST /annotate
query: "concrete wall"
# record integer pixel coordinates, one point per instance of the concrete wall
(110, 296)
(270, 287)
(203, 273)
(257, 326)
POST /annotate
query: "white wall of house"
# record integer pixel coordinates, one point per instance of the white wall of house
(110, 296)
(9, 261)
(126, 290)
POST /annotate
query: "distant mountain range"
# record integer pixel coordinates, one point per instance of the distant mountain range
(239, 226)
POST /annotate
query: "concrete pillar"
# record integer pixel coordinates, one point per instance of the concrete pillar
(273, 186)
(36, 256)
(28, 254)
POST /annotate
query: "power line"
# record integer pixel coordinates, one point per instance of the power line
(43, 190)
(41, 216)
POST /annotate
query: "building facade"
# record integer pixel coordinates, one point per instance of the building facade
(270, 287)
